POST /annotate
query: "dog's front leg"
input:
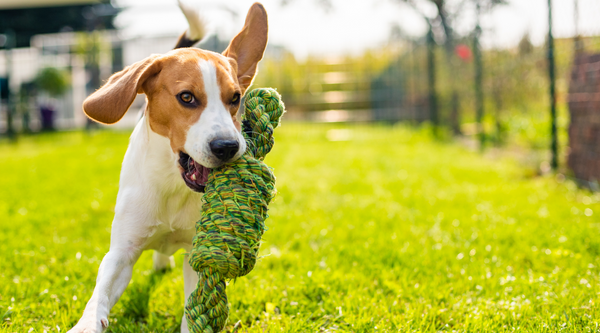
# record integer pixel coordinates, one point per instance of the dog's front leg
(114, 275)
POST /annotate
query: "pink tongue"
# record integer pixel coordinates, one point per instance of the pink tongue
(200, 173)
(204, 174)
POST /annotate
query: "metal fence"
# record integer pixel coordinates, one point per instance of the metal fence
(472, 86)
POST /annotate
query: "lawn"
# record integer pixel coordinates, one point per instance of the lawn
(374, 229)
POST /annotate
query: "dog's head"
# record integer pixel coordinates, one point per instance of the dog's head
(193, 98)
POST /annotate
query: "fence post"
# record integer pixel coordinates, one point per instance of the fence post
(10, 101)
(478, 80)
(433, 107)
(551, 73)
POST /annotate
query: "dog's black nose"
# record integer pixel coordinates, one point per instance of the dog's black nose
(224, 149)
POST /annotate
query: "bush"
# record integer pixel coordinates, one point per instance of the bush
(53, 81)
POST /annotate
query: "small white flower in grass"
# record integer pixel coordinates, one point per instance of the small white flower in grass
(322, 264)
(588, 212)
(460, 256)
(66, 278)
(74, 297)
(309, 273)
(562, 239)
(488, 248)
(78, 255)
(30, 330)
(478, 287)
(416, 286)
(543, 212)
(548, 251)
(472, 253)
(585, 283)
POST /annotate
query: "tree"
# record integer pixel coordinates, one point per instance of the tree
(447, 12)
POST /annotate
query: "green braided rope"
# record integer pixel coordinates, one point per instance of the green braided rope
(234, 208)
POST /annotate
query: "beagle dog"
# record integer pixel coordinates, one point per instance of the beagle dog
(190, 125)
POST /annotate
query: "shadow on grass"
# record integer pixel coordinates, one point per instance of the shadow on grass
(136, 314)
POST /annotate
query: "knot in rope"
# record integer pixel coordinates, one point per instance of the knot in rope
(234, 208)
(263, 113)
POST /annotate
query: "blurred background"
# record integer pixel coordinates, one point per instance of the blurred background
(493, 73)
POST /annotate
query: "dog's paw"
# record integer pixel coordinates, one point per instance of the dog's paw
(91, 325)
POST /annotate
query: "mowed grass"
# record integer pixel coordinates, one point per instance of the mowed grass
(384, 231)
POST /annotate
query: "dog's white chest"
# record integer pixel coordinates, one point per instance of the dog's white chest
(176, 221)
(161, 209)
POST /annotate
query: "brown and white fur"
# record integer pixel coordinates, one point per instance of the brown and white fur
(190, 124)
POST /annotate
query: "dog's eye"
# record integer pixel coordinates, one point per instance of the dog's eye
(186, 97)
(235, 99)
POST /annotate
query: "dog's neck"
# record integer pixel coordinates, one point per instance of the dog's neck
(150, 157)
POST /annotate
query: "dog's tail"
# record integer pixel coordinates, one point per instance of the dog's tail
(196, 30)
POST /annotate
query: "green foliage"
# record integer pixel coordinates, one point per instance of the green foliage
(516, 86)
(53, 81)
(374, 229)
(91, 45)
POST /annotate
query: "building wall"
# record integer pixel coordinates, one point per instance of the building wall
(584, 107)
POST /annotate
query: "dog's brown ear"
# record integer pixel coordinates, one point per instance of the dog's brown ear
(108, 104)
(248, 47)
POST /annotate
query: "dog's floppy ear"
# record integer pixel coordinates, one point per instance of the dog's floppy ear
(248, 47)
(108, 104)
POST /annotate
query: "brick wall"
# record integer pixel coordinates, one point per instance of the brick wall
(584, 107)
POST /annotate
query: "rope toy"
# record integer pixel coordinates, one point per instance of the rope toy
(234, 208)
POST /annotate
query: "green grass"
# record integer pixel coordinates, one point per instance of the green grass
(386, 232)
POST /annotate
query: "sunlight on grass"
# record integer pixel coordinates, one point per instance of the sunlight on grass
(375, 228)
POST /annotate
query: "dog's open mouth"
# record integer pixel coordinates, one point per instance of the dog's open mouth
(194, 174)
